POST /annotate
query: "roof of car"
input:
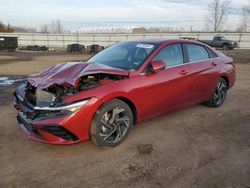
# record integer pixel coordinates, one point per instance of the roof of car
(156, 41)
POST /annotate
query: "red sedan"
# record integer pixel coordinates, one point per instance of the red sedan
(131, 81)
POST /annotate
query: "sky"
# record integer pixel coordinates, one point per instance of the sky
(77, 14)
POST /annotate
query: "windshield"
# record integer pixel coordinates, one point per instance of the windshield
(127, 56)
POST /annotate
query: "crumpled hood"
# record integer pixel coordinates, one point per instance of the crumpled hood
(69, 73)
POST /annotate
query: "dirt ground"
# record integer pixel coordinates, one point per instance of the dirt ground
(194, 147)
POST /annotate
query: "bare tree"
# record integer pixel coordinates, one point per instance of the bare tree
(59, 27)
(217, 13)
(22, 29)
(6, 28)
(245, 21)
(44, 28)
(56, 27)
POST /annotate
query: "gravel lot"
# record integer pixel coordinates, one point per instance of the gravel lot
(194, 147)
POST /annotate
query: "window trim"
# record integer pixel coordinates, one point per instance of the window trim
(190, 63)
(186, 59)
(144, 72)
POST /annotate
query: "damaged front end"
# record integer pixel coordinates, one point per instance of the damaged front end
(41, 116)
(52, 97)
(42, 112)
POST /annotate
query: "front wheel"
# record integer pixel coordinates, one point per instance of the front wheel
(218, 94)
(111, 123)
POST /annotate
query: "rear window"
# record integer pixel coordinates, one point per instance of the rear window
(212, 54)
(196, 52)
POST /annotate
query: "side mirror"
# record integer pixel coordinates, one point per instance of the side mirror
(158, 65)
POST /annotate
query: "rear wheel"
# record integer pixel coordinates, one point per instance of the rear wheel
(111, 123)
(218, 94)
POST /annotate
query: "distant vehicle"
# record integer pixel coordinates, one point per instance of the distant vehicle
(122, 85)
(221, 42)
(8, 43)
(94, 48)
(75, 48)
(34, 48)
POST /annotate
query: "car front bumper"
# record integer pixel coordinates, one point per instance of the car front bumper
(66, 130)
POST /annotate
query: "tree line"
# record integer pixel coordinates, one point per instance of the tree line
(55, 27)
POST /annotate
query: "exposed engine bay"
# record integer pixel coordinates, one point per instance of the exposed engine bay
(51, 96)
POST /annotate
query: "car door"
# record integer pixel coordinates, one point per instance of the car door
(168, 88)
(204, 71)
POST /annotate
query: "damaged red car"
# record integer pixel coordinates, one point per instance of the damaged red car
(102, 98)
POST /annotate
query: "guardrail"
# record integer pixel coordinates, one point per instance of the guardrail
(106, 39)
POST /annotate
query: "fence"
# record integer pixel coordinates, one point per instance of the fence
(106, 39)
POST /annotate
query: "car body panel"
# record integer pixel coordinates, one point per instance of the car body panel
(204, 75)
(157, 88)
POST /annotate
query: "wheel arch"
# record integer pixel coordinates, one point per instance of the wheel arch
(227, 80)
(124, 98)
(132, 107)
(93, 129)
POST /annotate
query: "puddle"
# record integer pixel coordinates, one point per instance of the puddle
(8, 81)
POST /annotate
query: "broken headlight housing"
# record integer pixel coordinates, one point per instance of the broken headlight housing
(58, 112)
(71, 107)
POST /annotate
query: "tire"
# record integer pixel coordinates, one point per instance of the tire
(225, 47)
(218, 94)
(111, 124)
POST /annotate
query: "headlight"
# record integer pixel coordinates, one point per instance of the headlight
(71, 107)
(74, 109)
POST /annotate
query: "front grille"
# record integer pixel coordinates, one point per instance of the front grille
(60, 132)
(30, 95)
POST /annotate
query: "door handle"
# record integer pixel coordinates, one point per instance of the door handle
(184, 72)
(214, 64)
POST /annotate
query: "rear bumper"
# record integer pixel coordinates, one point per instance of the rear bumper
(70, 129)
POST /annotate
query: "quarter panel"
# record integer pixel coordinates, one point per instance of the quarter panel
(204, 76)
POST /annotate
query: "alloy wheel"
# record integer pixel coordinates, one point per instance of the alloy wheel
(114, 125)
(220, 92)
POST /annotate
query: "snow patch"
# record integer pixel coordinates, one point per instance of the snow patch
(5, 81)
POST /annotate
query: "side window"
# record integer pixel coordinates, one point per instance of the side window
(196, 52)
(172, 55)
